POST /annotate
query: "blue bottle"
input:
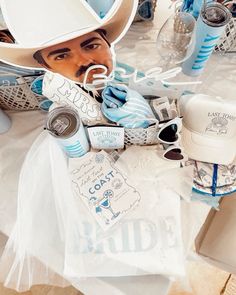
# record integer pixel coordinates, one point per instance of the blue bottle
(210, 26)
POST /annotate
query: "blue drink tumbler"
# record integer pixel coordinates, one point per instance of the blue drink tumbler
(210, 25)
(64, 124)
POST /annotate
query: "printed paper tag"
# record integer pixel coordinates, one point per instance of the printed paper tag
(106, 137)
(160, 108)
(103, 189)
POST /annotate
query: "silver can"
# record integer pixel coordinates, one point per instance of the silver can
(65, 125)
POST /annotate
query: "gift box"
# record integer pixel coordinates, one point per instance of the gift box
(216, 240)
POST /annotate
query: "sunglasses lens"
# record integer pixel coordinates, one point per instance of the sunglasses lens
(169, 134)
(145, 10)
(174, 154)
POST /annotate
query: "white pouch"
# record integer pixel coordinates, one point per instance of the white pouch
(56, 234)
(146, 241)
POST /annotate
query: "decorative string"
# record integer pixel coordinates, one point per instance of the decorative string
(101, 80)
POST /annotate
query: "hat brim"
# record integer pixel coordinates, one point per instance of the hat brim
(116, 26)
(208, 149)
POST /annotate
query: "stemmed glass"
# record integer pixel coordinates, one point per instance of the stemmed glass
(175, 41)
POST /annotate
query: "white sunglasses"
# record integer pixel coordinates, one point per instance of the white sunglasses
(173, 153)
(169, 131)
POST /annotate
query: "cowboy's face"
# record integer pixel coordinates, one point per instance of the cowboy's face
(72, 58)
(6, 38)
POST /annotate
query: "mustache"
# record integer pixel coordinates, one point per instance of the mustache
(82, 70)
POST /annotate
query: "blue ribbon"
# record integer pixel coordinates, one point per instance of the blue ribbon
(214, 179)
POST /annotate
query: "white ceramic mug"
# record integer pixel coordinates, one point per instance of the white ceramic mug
(5, 122)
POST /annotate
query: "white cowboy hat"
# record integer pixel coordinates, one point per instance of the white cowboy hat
(3, 25)
(39, 24)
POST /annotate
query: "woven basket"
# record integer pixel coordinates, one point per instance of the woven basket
(227, 42)
(19, 97)
(141, 136)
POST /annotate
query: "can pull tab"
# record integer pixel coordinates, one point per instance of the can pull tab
(60, 125)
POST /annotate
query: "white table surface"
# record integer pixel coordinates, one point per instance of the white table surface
(137, 48)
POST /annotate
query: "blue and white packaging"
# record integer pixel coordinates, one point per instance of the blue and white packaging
(210, 25)
(65, 126)
(106, 137)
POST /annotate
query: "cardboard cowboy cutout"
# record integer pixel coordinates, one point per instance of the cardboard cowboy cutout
(67, 38)
(71, 42)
